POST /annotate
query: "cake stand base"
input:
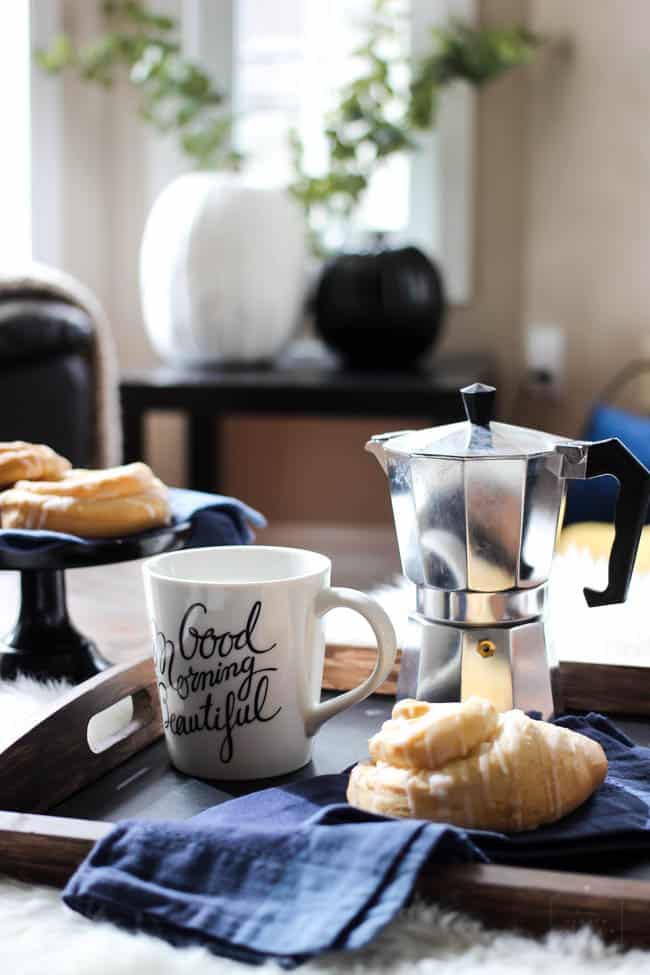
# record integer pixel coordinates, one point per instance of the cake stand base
(44, 643)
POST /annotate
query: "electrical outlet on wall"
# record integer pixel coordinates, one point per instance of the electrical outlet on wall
(545, 356)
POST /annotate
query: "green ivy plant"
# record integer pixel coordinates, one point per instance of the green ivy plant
(380, 112)
(175, 94)
(377, 114)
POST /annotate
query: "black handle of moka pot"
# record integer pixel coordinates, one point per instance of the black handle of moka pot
(613, 457)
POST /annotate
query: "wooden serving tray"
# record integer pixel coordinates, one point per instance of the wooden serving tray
(51, 769)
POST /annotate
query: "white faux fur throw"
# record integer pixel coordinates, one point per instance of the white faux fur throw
(39, 934)
(57, 284)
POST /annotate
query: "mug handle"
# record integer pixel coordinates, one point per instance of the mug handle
(335, 598)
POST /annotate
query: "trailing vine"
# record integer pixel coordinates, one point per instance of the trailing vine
(380, 112)
(377, 115)
(175, 94)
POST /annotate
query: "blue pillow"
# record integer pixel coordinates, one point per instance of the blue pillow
(595, 499)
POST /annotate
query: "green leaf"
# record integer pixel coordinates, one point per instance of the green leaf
(351, 110)
(138, 14)
(59, 55)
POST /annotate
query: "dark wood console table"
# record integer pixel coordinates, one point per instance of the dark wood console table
(293, 386)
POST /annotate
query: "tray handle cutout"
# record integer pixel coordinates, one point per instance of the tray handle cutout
(54, 759)
(119, 721)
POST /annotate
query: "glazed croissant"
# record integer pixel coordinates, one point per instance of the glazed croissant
(467, 765)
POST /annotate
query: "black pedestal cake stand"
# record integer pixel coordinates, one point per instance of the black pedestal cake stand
(44, 643)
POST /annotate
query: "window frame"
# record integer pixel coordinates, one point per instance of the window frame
(47, 139)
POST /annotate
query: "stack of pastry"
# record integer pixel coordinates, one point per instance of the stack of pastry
(30, 461)
(468, 765)
(46, 493)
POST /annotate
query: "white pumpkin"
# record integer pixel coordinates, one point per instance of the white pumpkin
(222, 268)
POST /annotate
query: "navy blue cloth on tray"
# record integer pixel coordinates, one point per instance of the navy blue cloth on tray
(293, 871)
(216, 520)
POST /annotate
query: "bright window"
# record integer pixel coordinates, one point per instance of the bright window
(291, 58)
(15, 170)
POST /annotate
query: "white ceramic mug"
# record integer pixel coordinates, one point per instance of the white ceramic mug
(239, 650)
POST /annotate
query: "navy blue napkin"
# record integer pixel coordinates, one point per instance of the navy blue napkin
(293, 871)
(216, 520)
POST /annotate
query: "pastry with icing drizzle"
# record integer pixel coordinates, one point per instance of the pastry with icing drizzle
(518, 774)
(91, 503)
(422, 735)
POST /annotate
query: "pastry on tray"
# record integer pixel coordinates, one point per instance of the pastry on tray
(431, 761)
(424, 735)
(93, 504)
(21, 461)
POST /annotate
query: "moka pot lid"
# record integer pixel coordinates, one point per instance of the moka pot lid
(477, 437)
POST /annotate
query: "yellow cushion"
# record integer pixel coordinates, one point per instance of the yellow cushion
(597, 538)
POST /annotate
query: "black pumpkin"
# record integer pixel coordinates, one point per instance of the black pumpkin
(380, 310)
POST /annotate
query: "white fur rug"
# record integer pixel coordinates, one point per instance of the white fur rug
(39, 934)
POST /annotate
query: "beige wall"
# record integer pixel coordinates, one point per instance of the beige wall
(588, 212)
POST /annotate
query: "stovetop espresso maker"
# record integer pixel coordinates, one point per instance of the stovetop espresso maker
(477, 507)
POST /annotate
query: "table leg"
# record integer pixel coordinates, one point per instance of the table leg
(203, 453)
(133, 447)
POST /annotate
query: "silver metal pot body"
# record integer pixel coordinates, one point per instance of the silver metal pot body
(477, 507)
(476, 524)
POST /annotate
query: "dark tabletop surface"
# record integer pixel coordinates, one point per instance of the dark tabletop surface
(310, 383)
(148, 787)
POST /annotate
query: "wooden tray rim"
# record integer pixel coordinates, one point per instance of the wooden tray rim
(41, 848)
